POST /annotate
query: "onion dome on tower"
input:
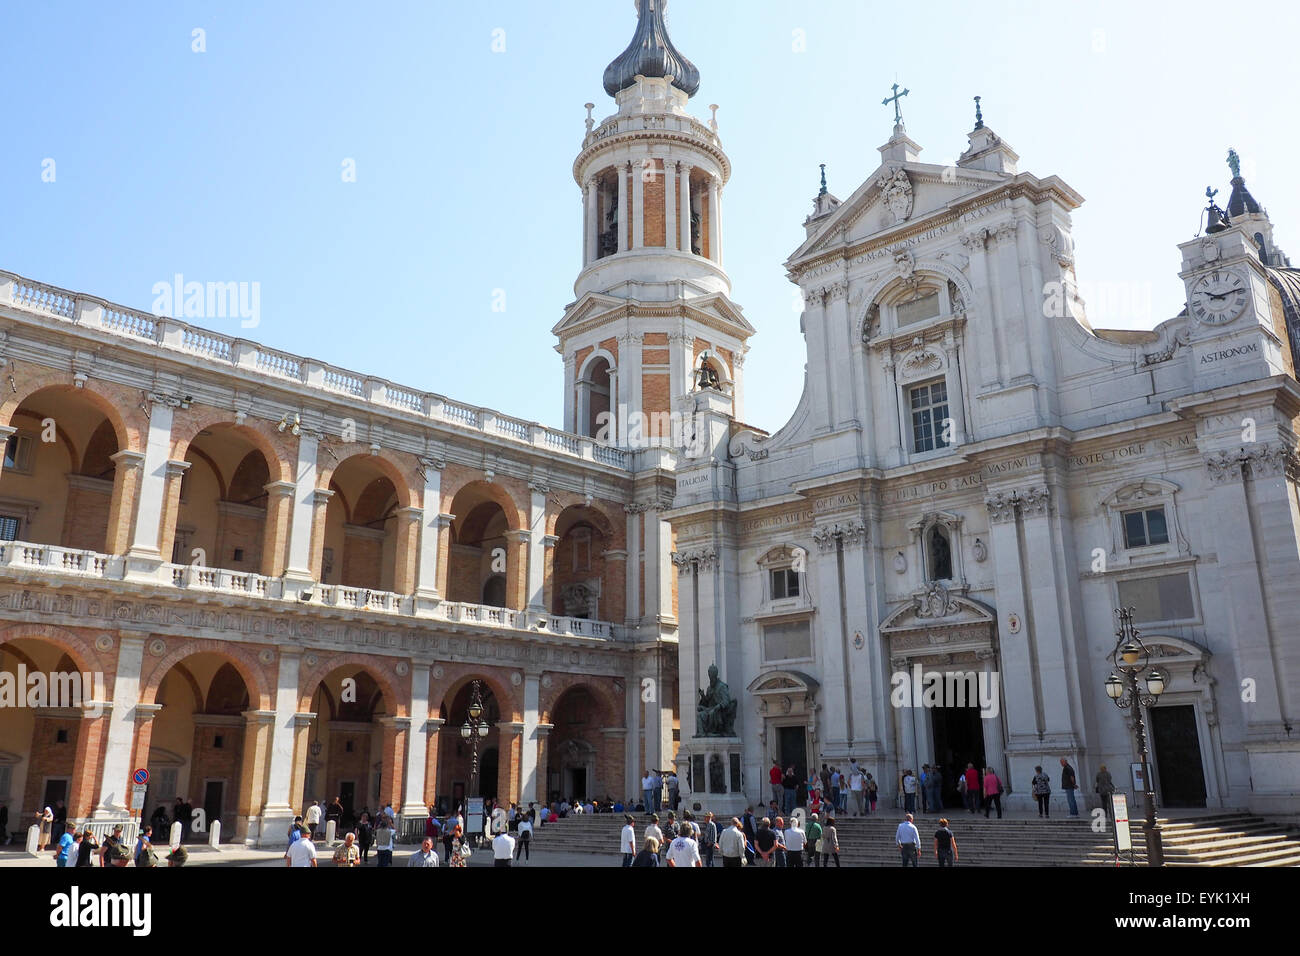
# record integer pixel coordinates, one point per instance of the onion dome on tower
(651, 53)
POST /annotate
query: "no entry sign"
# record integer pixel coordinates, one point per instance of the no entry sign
(141, 776)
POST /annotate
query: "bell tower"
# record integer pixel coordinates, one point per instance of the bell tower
(652, 320)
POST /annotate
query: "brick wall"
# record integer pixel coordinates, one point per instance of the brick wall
(49, 759)
(85, 519)
(654, 206)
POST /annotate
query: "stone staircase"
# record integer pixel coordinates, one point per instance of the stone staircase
(1225, 839)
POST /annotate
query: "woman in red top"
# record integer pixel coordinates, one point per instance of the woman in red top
(992, 792)
(972, 787)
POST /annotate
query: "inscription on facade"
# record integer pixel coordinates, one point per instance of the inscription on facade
(775, 521)
(1210, 358)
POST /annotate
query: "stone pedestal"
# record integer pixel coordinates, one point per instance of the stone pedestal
(711, 773)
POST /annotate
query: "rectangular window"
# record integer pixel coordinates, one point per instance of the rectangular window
(918, 310)
(10, 527)
(785, 584)
(791, 640)
(1164, 598)
(1143, 528)
(165, 784)
(582, 549)
(18, 453)
(929, 416)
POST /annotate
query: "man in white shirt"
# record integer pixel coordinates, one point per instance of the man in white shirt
(909, 791)
(647, 790)
(794, 844)
(857, 791)
(302, 852)
(732, 844)
(627, 842)
(313, 819)
(652, 830)
(909, 841)
(503, 850)
(684, 851)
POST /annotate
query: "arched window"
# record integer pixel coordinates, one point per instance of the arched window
(938, 552)
(494, 591)
(594, 401)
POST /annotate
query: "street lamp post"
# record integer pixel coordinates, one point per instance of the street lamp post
(1131, 658)
(474, 728)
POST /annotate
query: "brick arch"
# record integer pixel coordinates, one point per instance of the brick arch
(399, 467)
(65, 442)
(120, 405)
(188, 676)
(83, 654)
(255, 676)
(497, 491)
(280, 452)
(379, 668)
(442, 691)
(613, 528)
(602, 688)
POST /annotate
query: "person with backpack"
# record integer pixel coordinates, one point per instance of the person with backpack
(86, 848)
(1041, 785)
(144, 852)
(113, 853)
(813, 839)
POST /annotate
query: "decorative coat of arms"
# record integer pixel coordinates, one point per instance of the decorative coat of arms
(896, 194)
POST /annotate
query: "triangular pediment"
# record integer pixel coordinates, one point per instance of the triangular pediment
(590, 306)
(783, 682)
(593, 309)
(938, 607)
(888, 202)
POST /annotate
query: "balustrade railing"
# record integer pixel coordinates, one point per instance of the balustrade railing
(205, 344)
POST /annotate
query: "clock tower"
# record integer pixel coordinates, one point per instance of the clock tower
(1237, 325)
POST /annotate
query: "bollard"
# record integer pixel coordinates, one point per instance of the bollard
(174, 838)
(331, 827)
(214, 835)
(33, 839)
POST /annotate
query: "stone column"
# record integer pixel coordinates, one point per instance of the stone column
(508, 761)
(715, 238)
(129, 467)
(658, 567)
(632, 586)
(6, 431)
(956, 399)
(144, 556)
(417, 742)
(1010, 295)
(434, 726)
(426, 581)
(144, 715)
(301, 557)
(670, 204)
(684, 192)
(634, 761)
(591, 218)
(258, 728)
(537, 547)
(528, 751)
(543, 762)
(995, 747)
(406, 553)
(396, 731)
(988, 349)
(114, 779)
(517, 569)
(570, 390)
(717, 228)
(280, 795)
(275, 534)
(629, 363)
(1024, 709)
(681, 361)
(171, 510)
(301, 736)
(640, 172)
(623, 205)
(320, 510)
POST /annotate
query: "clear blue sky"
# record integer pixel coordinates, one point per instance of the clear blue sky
(226, 165)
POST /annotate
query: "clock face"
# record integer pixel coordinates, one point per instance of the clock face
(1218, 297)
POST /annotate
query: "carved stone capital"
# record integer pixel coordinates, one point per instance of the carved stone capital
(851, 533)
(1002, 507)
(1224, 468)
(1035, 501)
(975, 239)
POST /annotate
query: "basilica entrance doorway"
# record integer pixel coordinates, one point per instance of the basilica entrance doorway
(958, 740)
(792, 751)
(1177, 748)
